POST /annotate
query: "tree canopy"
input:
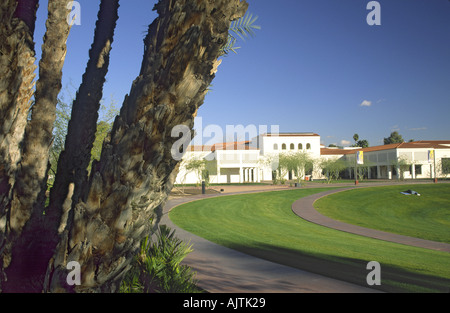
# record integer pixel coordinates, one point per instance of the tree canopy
(394, 137)
(363, 143)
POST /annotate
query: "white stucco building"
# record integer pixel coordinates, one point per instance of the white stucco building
(384, 161)
(240, 162)
(226, 163)
(271, 145)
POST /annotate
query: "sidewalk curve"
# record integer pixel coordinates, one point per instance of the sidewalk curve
(223, 270)
(304, 208)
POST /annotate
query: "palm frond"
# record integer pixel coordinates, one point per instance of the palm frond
(157, 267)
(230, 46)
(241, 28)
(245, 26)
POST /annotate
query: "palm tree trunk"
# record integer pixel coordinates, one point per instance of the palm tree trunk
(136, 172)
(17, 57)
(31, 175)
(120, 204)
(74, 161)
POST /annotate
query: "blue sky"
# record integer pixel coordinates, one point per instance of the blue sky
(315, 66)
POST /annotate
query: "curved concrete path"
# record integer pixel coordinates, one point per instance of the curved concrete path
(304, 208)
(223, 270)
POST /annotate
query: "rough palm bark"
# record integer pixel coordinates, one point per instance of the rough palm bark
(17, 75)
(103, 220)
(17, 57)
(30, 176)
(136, 172)
(75, 159)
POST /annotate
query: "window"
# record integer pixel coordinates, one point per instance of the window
(418, 169)
(445, 165)
(283, 146)
(300, 146)
(275, 147)
(292, 146)
(308, 146)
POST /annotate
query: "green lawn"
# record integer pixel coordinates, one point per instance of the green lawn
(264, 225)
(384, 208)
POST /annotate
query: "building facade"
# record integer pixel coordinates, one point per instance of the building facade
(408, 160)
(256, 160)
(222, 164)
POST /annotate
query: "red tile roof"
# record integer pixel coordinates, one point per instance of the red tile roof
(330, 151)
(193, 148)
(424, 144)
(291, 135)
(238, 145)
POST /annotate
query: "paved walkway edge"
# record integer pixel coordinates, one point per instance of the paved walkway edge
(304, 208)
(220, 269)
(223, 270)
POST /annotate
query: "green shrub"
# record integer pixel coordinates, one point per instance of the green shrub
(157, 267)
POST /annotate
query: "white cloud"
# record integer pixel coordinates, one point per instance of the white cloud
(345, 142)
(418, 128)
(366, 103)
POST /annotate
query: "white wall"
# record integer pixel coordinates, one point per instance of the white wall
(417, 158)
(295, 143)
(185, 177)
(270, 141)
(232, 163)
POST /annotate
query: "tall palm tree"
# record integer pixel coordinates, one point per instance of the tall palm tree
(99, 222)
(136, 171)
(17, 58)
(30, 176)
(74, 161)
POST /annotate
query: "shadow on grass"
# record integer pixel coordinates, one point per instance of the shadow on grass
(393, 279)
